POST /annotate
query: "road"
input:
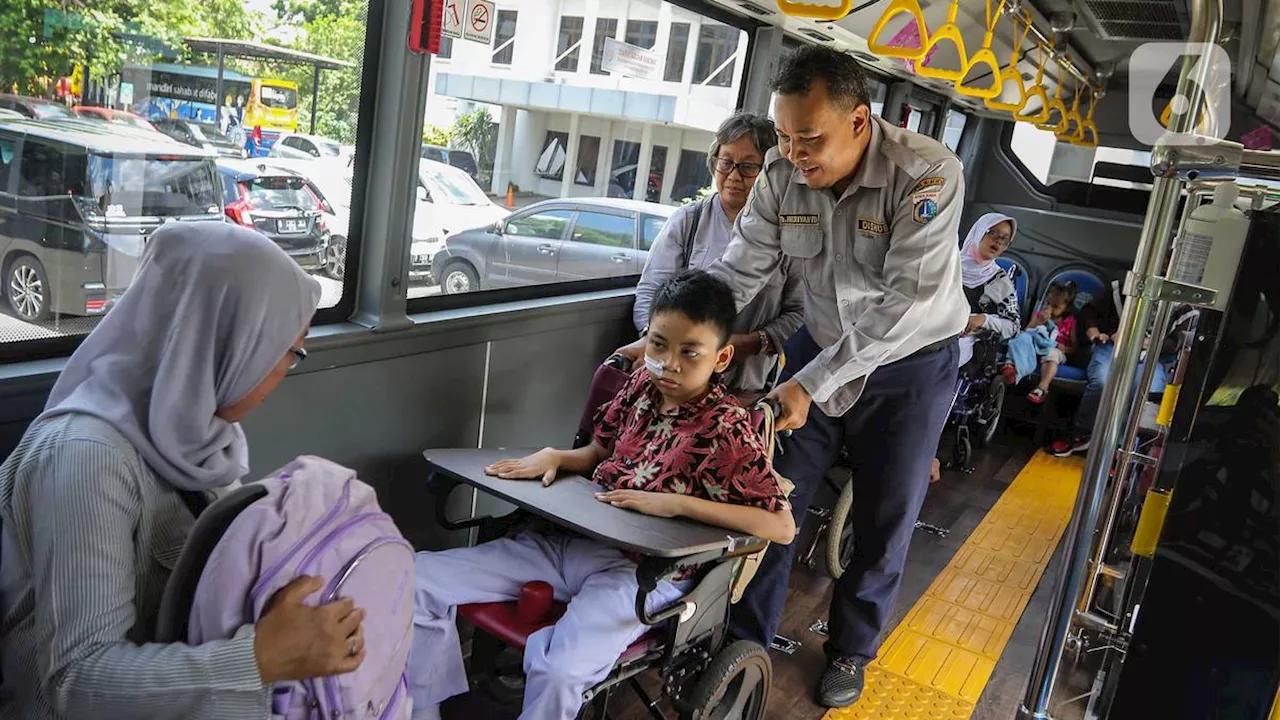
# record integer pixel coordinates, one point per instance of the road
(15, 330)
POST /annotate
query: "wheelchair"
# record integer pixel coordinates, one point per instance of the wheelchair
(977, 405)
(702, 675)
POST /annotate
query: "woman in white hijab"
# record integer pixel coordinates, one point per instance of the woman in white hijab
(94, 501)
(993, 301)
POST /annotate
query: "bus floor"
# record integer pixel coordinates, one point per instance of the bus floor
(957, 503)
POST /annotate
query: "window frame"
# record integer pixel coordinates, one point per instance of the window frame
(507, 45)
(573, 57)
(597, 45)
(558, 135)
(682, 56)
(595, 164)
(631, 23)
(709, 30)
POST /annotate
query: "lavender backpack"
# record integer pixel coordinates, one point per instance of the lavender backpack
(313, 517)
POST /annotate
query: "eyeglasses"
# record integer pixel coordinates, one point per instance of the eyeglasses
(1000, 238)
(299, 355)
(746, 170)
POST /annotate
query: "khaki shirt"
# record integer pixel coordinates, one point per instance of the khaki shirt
(880, 263)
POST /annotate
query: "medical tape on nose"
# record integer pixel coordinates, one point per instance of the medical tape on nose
(655, 367)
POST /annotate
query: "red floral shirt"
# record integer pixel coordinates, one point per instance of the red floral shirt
(707, 448)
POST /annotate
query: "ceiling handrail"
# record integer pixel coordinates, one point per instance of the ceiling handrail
(949, 31)
(897, 7)
(1011, 75)
(986, 57)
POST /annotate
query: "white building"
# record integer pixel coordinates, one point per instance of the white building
(567, 126)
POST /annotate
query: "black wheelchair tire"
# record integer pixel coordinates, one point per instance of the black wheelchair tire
(986, 431)
(840, 533)
(963, 452)
(735, 686)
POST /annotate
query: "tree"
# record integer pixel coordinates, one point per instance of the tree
(341, 38)
(432, 135)
(476, 133)
(45, 39)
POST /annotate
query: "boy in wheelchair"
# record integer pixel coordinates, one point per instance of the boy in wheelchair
(671, 444)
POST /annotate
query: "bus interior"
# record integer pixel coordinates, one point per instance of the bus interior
(1139, 579)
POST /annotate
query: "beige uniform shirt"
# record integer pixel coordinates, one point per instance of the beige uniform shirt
(880, 263)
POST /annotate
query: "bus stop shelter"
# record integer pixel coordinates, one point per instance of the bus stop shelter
(244, 49)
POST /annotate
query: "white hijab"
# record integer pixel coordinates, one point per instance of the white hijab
(214, 307)
(976, 272)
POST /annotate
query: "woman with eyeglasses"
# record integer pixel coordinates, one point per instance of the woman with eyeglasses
(99, 496)
(697, 235)
(993, 300)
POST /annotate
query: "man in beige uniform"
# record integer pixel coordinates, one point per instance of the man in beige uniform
(871, 213)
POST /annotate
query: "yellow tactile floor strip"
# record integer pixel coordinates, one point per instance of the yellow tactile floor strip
(936, 663)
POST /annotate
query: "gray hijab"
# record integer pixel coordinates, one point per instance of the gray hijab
(214, 307)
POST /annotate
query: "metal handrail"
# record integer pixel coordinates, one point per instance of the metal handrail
(1114, 409)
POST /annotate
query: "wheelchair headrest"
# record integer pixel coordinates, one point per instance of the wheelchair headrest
(180, 590)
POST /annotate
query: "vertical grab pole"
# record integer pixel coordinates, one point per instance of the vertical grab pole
(1153, 247)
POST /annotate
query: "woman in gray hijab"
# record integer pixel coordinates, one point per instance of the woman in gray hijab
(93, 503)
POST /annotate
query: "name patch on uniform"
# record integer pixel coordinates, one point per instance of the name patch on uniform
(803, 220)
(925, 209)
(929, 184)
(872, 227)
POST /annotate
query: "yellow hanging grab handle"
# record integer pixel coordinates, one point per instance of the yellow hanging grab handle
(1056, 108)
(1041, 112)
(1010, 76)
(897, 7)
(1072, 123)
(984, 56)
(1089, 130)
(948, 32)
(817, 12)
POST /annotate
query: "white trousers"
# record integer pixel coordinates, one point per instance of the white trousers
(561, 662)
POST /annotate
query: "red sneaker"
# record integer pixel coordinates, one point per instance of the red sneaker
(1065, 448)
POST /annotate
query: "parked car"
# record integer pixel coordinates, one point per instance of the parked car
(552, 241)
(6, 114)
(449, 201)
(201, 135)
(297, 146)
(79, 201)
(278, 203)
(35, 108)
(460, 159)
(110, 115)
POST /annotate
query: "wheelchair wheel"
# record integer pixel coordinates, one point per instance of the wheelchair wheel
(988, 415)
(962, 454)
(735, 686)
(840, 534)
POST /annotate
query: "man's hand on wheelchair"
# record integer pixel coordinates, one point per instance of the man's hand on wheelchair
(666, 505)
(634, 352)
(795, 402)
(542, 464)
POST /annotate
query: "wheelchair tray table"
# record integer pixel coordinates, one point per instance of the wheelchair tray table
(570, 502)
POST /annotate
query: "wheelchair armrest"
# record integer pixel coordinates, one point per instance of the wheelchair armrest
(651, 570)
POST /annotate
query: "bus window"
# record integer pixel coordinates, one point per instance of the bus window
(192, 141)
(612, 117)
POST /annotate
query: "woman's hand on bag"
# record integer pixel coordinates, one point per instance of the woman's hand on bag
(297, 642)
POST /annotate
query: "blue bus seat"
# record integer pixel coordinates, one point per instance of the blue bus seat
(1019, 278)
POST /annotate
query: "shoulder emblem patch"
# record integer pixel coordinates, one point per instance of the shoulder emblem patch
(799, 220)
(867, 226)
(934, 184)
(925, 210)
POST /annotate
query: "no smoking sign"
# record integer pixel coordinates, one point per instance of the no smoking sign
(477, 23)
